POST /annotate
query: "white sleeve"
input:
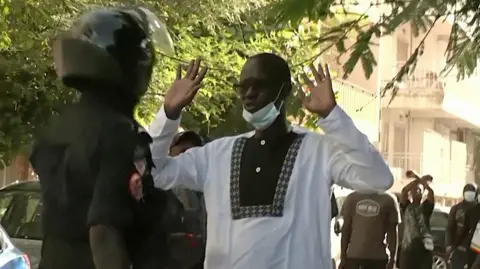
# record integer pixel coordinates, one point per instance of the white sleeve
(187, 170)
(353, 161)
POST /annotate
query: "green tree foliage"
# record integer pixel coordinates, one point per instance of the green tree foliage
(222, 32)
(462, 52)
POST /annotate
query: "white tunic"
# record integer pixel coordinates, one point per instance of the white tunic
(257, 237)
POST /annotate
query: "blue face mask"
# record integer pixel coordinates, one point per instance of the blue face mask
(264, 117)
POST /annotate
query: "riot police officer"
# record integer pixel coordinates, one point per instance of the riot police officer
(93, 160)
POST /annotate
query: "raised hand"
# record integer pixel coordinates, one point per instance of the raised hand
(322, 98)
(183, 90)
(411, 174)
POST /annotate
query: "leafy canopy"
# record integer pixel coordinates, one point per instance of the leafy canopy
(222, 32)
(462, 52)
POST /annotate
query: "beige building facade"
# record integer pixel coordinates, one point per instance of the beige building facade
(431, 126)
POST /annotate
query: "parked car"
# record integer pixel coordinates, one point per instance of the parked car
(20, 215)
(438, 226)
(10, 256)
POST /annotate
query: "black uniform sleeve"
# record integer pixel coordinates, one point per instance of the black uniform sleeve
(111, 202)
(451, 231)
(466, 228)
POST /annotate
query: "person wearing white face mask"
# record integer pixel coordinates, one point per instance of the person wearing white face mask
(267, 192)
(456, 217)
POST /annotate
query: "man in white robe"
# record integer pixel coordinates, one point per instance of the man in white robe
(267, 192)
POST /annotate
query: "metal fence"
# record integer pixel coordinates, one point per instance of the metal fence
(444, 170)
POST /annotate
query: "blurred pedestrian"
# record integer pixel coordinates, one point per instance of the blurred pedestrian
(417, 242)
(470, 236)
(456, 219)
(184, 141)
(368, 219)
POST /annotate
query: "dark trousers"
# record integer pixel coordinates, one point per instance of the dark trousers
(416, 256)
(356, 263)
(473, 260)
(476, 263)
(61, 254)
(459, 259)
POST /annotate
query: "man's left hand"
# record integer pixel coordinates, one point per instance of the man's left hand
(322, 98)
(391, 264)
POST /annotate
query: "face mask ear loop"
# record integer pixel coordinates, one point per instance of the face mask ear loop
(278, 95)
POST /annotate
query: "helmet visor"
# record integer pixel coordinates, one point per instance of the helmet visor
(157, 31)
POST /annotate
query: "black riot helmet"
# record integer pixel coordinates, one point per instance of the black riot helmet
(111, 50)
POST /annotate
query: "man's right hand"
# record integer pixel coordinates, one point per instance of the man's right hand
(411, 174)
(449, 252)
(183, 90)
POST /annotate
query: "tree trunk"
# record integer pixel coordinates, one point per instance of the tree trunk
(22, 168)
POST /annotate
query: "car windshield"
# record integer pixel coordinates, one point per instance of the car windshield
(20, 214)
(439, 220)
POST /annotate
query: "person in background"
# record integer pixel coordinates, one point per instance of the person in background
(180, 143)
(456, 218)
(417, 242)
(368, 218)
(469, 236)
(184, 141)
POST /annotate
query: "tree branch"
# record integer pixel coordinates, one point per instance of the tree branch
(398, 77)
(347, 31)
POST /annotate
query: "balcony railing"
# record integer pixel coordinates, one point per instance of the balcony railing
(422, 78)
(443, 170)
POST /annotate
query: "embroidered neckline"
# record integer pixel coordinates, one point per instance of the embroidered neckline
(276, 208)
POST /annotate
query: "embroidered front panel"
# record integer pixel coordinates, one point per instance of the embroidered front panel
(257, 211)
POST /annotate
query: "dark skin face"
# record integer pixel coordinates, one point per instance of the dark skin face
(181, 148)
(417, 194)
(255, 91)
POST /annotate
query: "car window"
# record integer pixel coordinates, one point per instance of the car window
(21, 218)
(439, 219)
(5, 200)
(3, 244)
